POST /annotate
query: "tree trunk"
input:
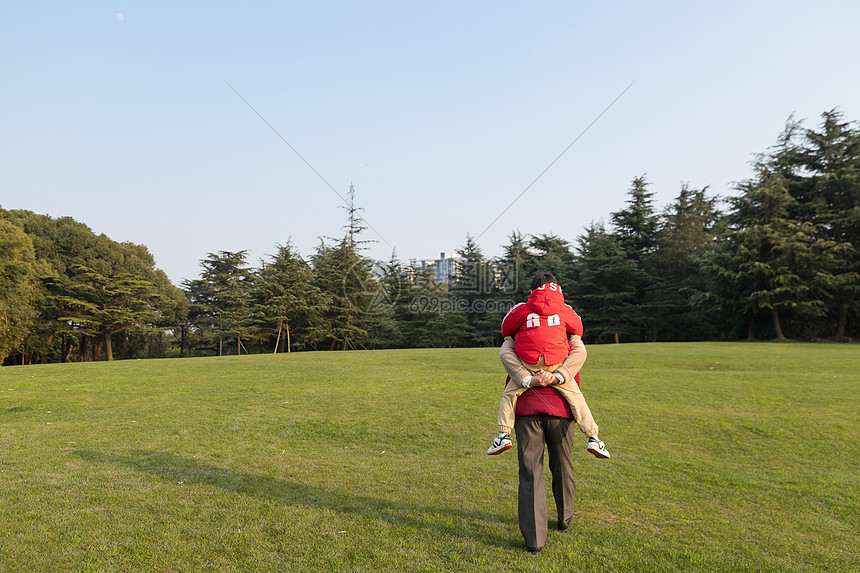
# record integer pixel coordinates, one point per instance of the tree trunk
(183, 336)
(277, 340)
(109, 347)
(617, 339)
(751, 328)
(776, 325)
(97, 351)
(67, 349)
(43, 359)
(842, 323)
(238, 345)
(82, 350)
(289, 349)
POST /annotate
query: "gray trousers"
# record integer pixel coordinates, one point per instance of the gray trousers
(532, 433)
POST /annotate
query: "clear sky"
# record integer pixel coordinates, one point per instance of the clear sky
(117, 113)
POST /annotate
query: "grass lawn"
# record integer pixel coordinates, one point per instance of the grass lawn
(725, 457)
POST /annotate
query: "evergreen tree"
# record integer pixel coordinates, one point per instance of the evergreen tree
(450, 329)
(382, 318)
(636, 225)
(106, 306)
(636, 230)
(518, 265)
(346, 277)
(290, 305)
(221, 301)
(604, 287)
(552, 254)
(687, 236)
(771, 262)
(472, 292)
(829, 196)
(424, 311)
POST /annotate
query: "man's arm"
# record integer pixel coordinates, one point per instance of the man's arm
(574, 361)
(568, 369)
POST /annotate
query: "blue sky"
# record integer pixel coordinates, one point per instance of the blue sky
(440, 114)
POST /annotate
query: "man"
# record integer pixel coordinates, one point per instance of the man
(543, 416)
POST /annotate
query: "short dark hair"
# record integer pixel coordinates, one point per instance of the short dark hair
(541, 279)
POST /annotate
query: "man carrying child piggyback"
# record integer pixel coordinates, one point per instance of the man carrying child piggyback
(543, 330)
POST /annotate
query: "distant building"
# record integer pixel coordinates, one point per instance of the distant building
(445, 269)
(450, 267)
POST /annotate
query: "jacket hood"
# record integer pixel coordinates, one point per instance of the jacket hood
(546, 300)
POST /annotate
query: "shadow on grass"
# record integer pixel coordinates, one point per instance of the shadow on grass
(476, 526)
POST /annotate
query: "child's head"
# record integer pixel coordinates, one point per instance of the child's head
(543, 278)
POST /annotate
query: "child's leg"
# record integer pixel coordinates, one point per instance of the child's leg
(507, 406)
(511, 362)
(570, 391)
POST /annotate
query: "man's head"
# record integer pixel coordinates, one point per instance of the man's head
(541, 279)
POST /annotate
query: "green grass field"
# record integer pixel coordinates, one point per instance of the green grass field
(726, 457)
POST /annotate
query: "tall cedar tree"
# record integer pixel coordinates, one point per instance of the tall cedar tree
(220, 301)
(552, 254)
(291, 306)
(829, 196)
(518, 265)
(345, 276)
(686, 238)
(604, 287)
(473, 291)
(635, 228)
(772, 263)
(381, 316)
(110, 305)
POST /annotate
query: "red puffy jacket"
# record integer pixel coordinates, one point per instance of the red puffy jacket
(541, 326)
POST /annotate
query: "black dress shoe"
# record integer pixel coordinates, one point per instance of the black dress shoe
(534, 550)
(563, 525)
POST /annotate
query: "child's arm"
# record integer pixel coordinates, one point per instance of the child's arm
(574, 361)
(513, 366)
(514, 319)
(572, 321)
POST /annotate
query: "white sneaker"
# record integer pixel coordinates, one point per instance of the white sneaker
(500, 444)
(596, 447)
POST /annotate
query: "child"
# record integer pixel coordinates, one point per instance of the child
(541, 326)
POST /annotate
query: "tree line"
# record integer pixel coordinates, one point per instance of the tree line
(778, 259)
